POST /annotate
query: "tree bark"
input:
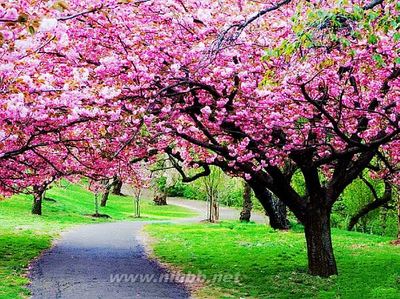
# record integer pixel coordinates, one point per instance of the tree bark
(37, 199)
(117, 187)
(160, 198)
(317, 228)
(275, 209)
(104, 198)
(245, 214)
(214, 210)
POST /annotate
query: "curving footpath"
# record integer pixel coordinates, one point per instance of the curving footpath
(108, 260)
(86, 261)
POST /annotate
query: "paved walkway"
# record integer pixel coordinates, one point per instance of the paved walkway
(225, 213)
(86, 260)
(200, 206)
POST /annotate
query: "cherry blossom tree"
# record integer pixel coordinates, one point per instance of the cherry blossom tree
(258, 89)
(296, 85)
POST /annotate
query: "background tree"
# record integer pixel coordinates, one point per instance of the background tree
(245, 214)
(117, 186)
(136, 202)
(212, 185)
(38, 195)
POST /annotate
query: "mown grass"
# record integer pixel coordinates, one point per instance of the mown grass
(23, 235)
(272, 264)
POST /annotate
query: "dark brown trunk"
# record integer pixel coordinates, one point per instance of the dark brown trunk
(245, 214)
(104, 198)
(317, 228)
(160, 198)
(37, 200)
(117, 187)
(280, 211)
(274, 208)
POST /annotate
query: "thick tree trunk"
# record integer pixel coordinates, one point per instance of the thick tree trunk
(245, 214)
(37, 200)
(275, 209)
(37, 206)
(117, 187)
(317, 228)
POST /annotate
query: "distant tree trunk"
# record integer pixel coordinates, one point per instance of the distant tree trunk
(213, 209)
(160, 194)
(37, 199)
(378, 202)
(160, 198)
(136, 204)
(212, 185)
(245, 214)
(104, 197)
(275, 209)
(96, 205)
(117, 187)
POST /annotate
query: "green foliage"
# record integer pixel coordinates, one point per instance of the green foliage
(380, 221)
(359, 23)
(230, 192)
(272, 264)
(298, 183)
(161, 183)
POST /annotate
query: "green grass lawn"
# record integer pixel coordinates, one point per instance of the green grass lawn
(272, 264)
(23, 235)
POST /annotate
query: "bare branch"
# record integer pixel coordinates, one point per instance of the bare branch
(372, 4)
(69, 17)
(233, 32)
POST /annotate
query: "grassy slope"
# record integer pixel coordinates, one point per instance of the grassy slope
(273, 264)
(23, 236)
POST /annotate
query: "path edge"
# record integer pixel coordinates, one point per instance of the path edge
(148, 242)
